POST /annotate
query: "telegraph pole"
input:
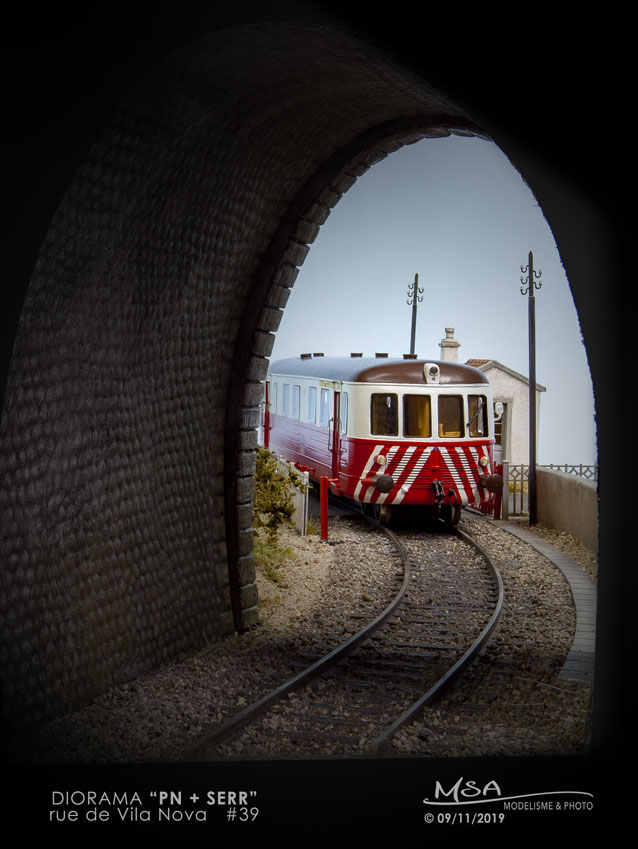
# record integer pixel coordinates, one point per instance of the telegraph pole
(528, 289)
(413, 299)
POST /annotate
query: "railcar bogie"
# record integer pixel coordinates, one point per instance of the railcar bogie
(390, 433)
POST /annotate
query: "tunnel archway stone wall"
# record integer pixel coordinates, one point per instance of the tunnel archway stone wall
(128, 430)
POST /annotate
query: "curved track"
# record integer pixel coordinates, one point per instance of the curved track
(352, 700)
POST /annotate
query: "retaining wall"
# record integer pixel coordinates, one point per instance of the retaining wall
(568, 503)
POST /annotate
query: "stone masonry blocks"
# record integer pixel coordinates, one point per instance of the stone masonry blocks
(167, 262)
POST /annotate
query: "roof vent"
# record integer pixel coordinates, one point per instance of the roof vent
(380, 355)
(305, 356)
(317, 355)
(409, 356)
(356, 355)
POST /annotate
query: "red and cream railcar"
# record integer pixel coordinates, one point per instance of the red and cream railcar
(386, 432)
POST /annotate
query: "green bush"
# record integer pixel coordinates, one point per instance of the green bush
(273, 505)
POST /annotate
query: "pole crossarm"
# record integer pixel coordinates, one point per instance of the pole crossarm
(530, 283)
(414, 299)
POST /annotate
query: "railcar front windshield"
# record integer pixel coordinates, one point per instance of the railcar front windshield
(477, 409)
(451, 416)
(421, 416)
(384, 414)
(417, 415)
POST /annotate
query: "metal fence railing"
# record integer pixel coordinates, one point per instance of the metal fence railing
(590, 473)
(515, 482)
(516, 479)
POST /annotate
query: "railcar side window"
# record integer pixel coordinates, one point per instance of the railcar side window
(384, 414)
(285, 404)
(312, 404)
(417, 415)
(324, 408)
(477, 410)
(451, 415)
(296, 402)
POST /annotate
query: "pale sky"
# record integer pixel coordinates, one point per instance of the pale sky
(458, 214)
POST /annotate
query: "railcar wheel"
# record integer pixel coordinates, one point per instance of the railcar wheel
(451, 514)
(384, 514)
(381, 513)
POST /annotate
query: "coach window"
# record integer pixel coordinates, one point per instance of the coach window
(296, 402)
(324, 408)
(384, 415)
(477, 411)
(451, 415)
(286, 400)
(417, 416)
(344, 412)
(312, 404)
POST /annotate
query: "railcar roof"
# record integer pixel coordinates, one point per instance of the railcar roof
(375, 370)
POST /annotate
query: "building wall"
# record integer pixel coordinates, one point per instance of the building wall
(515, 393)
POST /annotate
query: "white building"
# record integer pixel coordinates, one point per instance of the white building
(512, 390)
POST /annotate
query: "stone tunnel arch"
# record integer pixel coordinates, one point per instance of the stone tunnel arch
(128, 428)
(272, 284)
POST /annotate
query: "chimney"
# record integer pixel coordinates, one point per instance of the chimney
(449, 346)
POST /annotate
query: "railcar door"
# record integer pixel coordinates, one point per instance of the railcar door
(335, 442)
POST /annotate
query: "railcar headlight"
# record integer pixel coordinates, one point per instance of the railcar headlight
(432, 373)
(483, 462)
(381, 460)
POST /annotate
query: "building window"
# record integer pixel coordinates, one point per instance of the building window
(500, 431)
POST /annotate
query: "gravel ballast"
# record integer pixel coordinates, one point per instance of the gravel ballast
(312, 606)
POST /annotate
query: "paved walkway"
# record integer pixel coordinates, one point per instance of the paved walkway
(579, 665)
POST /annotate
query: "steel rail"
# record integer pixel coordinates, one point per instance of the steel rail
(218, 733)
(381, 745)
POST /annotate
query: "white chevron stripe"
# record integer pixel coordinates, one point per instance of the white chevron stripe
(455, 475)
(477, 453)
(385, 470)
(398, 471)
(366, 468)
(470, 473)
(413, 475)
(468, 455)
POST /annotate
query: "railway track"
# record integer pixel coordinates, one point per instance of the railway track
(350, 702)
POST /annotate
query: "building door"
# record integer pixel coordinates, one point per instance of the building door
(500, 435)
